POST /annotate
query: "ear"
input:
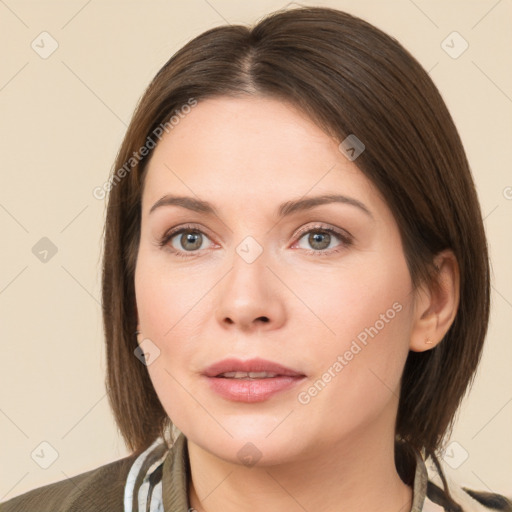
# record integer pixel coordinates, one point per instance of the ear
(435, 307)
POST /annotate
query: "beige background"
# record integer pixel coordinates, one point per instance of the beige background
(62, 120)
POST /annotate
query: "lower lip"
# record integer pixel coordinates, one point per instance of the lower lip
(256, 390)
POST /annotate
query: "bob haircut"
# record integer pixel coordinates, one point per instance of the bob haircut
(349, 78)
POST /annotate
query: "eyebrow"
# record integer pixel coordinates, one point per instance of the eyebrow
(285, 209)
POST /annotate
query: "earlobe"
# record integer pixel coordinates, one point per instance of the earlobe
(437, 305)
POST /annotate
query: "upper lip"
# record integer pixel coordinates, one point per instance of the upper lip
(249, 365)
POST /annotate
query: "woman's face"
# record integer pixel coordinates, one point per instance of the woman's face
(264, 271)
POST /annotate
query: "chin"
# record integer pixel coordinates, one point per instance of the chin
(260, 452)
(260, 444)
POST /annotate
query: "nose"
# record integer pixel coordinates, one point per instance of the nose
(250, 297)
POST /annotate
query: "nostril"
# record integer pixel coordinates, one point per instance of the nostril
(263, 319)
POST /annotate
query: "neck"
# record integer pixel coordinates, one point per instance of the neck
(357, 474)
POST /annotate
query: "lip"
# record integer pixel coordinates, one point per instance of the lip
(254, 390)
(250, 365)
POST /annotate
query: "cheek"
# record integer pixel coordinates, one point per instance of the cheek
(166, 298)
(364, 342)
(368, 300)
(171, 307)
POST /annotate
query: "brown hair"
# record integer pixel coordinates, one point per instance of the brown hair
(349, 78)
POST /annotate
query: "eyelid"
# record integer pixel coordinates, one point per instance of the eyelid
(319, 226)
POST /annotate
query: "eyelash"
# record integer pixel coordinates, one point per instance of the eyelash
(345, 238)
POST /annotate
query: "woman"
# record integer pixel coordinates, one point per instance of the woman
(295, 280)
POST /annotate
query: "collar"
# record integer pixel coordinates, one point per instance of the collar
(176, 474)
(420, 484)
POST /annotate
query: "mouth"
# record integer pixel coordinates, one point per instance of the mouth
(254, 380)
(248, 375)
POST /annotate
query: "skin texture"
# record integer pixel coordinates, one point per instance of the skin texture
(247, 156)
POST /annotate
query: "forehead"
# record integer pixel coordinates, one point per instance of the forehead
(253, 151)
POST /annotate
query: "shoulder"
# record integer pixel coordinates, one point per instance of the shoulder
(101, 489)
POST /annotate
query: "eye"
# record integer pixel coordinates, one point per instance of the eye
(321, 239)
(185, 239)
